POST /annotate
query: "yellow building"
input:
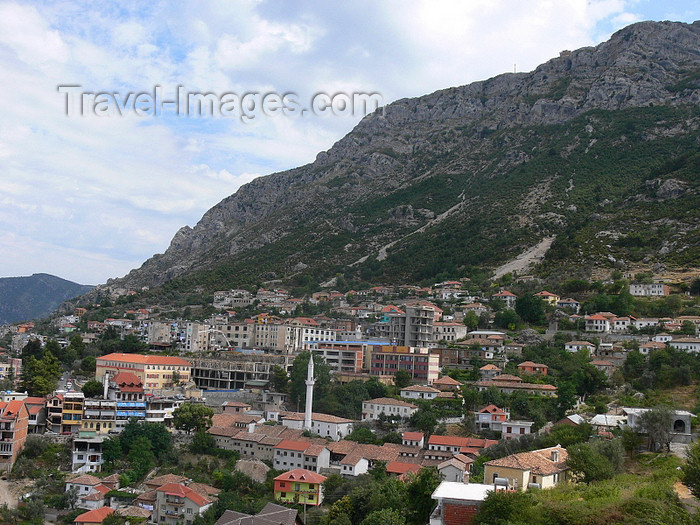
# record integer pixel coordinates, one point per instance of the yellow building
(544, 468)
(157, 372)
(72, 411)
(548, 297)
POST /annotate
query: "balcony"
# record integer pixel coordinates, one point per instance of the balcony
(131, 404)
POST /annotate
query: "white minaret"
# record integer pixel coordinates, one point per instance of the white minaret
(309, 393)
(105, 385)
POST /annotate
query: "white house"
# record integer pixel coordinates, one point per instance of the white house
(413, 439)
(575, 346)
(325, 425)
(644, 322)
(621, 324)
(419, 392)
(513, 429)
(455, 469)
(597, 323)
(372, 409)
(507, 297)
(687, 344)
(353, 465)
(490, 417)
(649, 290)
(290, 454)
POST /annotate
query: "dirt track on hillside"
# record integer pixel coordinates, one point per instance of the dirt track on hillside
(6, 495)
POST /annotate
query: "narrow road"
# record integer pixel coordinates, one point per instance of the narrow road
(6, 495)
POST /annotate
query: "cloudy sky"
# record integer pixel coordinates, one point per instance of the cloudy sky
(90, 197)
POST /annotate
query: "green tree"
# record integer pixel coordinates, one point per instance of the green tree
(471, 320)
(688, 328)
(279, 379)
(695, 286)
(588, 464)
(89, 364)
(402, 378)
(93, 388)
(362, 434)
(384, 517)
(507, 319)
(202, 442)
(504, 507)
(374, 388)
(691, 469)
(424, 420)
(112, 450)
(156, 434)
(630, 440)
(40, 376)
(587, 379)
(657, 424)
(192, 417)
(141, 457)
(531, 309)
(419, 491)
(32, 349)
(77, 344)
(340, 511)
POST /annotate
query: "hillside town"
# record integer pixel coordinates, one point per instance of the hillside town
(338, 384)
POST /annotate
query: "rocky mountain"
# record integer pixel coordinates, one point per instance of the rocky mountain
(25, 298)
(597, 148)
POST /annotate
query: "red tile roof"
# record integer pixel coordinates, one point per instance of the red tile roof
(182, 491)
(145, 359)
(288, 444)
(446, 380)
(300, 474)
(398, 467)
(390, 401)
(94, 516)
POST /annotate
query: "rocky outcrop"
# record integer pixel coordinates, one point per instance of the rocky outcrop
(411, 141)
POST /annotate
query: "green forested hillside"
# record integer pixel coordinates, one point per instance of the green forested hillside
(24, 298)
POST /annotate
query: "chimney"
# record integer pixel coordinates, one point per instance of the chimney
(555, 455)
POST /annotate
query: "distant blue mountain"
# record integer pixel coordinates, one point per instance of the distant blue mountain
(24, 298)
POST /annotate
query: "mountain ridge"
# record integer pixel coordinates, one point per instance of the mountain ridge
(395, 172)
(30, 297)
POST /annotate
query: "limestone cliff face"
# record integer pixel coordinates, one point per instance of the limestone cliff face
(451, 131)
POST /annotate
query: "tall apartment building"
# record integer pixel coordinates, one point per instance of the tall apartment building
(159, 332)
(413, 327)
(423, 365)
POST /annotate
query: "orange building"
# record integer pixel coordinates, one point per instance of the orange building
(528, 367)
(155, 371)
(14, 423)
